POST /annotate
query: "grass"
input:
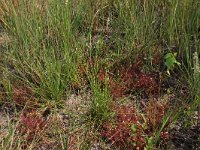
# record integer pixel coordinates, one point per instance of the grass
(115, 52)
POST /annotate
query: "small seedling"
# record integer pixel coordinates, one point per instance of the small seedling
(170, 61)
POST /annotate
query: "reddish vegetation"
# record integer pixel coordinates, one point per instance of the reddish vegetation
(131, 79)
(30, 124)
(155, 111)
(120, 134)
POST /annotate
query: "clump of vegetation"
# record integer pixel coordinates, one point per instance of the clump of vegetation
(30, 124)
(137, 130)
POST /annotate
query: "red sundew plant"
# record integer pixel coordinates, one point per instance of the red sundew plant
(120, 133)
(131, 129)
(131, 79)
(30, 124)
(155, 112)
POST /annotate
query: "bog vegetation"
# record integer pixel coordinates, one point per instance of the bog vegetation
(103, 74)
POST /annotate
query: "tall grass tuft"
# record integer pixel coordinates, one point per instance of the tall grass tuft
(42, 51)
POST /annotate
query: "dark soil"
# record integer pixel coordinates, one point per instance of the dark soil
(186, 139)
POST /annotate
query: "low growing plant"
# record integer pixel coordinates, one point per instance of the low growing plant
(132, 129)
